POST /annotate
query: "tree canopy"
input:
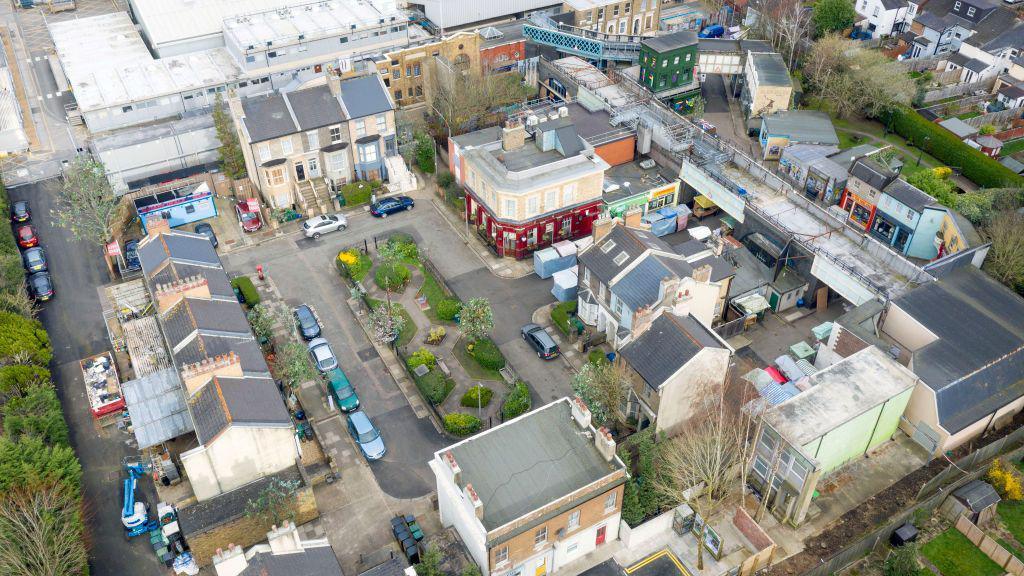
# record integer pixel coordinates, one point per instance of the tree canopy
(232, 161)
(853, 80)
(87, 206)
(832, 16)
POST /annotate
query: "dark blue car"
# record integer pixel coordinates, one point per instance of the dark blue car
(391, 205)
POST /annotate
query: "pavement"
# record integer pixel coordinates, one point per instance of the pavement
(75, 323)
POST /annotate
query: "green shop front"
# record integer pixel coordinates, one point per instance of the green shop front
(622, 199)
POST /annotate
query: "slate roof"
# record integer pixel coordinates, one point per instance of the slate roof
(1012, 91)
(672, 41)
(871, 173)
(893, 4)
(976, 365)
(208, 413)
(909, 195)
(391, 567)
(197, 314)
(601, 263)
(203, 346)
(806, 126)
(720, 267)
(184, 247)
(316, 561)
(977, 495)
(365, 96)
(528, 462)
(771, 69)
(246, 400)
(641, 286)
(157, 405)
(201, 516)
(315, 107)
(216, 280)
(666, 346)
(267, 117)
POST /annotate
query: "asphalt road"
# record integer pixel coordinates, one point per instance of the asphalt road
(75, 323)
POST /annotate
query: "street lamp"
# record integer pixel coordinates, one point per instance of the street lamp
(920, 150)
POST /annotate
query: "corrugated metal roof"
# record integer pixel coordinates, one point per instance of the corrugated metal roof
(157, 407)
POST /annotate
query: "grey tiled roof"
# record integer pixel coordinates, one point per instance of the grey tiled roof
(215, 278)
(208, 413)
(871, 173)
(318, 561)
(202, 516)
(267, 117)
(665, 347)
(224, 316)
(641, 286)
(601, 263)
(672, 41)
(365, 96)
(181, 246)
(315, 107)
(253, 400)
(909, 195)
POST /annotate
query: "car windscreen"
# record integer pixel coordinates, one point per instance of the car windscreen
(248, 216)
(368, 435)
(345, 392)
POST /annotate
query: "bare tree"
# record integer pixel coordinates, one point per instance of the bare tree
(793, 26)
(854, 80)
(87, 205)
(460, 97)
(699, 467)
(41, 532)
(603, 386)
(1005, 261)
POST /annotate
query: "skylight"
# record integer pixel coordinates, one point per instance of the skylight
(607, 247)
(622, 257)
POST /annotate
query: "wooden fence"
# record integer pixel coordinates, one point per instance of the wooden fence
(959, 89)
(996, 118)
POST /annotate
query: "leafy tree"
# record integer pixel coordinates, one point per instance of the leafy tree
(425, 153)
(387, 321)
(29, 462)
(430, 563)
(854, 80)
(603, 387)
(975, 206)
(470, 570)
(232, 161)
(16, 379)
(23, 341)
(293, 363)
(935, 186)
(476, 318)
(832, 16)
(41, 532)
(902, 561)
(86, 205)
(632, 511)
(697, 107)
(274, 503)
(1005, 261)
(987, 130)
(37, 413)
(262, 318)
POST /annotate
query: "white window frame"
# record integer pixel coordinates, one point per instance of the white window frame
(360, 128)
(586, 276)
(367, 154)
(540, 537)
(550, 200)
(286, 146)
(264, 152)
(574, 521)
(335, 133)
(532, 206)
(610, 501)
(313, 139)
(336, 162)
(382, 123)
(509, 208)
(501, 556)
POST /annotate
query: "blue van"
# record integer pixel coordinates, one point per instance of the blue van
(713, 31)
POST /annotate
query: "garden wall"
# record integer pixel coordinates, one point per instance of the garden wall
(995, 118)
(636, 538)
(990, 547)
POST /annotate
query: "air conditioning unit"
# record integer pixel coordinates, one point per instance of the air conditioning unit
(647, 164)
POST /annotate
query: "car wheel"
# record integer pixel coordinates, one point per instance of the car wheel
(316, 236)
(523, 334)
(342, 228)
(409, 207)
(383, 214)
(539, 355)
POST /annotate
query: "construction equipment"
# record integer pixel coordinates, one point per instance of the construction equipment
(135, 514)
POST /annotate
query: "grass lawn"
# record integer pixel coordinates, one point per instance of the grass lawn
(408, 327)
(1012, 515)
(954, 555)
(967, 115)
(847, 140)
(1012, 147)
(434, 293)
(475, 370)
(1012, 548)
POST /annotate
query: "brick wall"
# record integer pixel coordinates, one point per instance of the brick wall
(245, 531)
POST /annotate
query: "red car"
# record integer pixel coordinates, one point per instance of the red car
(27, 237)
(249, 217)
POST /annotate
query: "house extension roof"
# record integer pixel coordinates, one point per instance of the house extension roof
(909, 195)
(958, 127)
(838, 394)
(672, 41)
(665, 347)
(179, 246)
(157, 406)
(976, 363)
(641, 285)
(365, 96)
(312, 561)
(771, 69)
(529, 462)
(804, 126)
(600, 257)
(872, 173)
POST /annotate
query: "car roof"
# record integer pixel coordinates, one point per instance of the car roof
(361, 421)
(544, 337)
(20, 204)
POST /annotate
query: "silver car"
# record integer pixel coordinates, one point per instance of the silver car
(320, 225)
(322, 355)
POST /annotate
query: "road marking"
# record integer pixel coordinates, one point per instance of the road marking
(654, 557)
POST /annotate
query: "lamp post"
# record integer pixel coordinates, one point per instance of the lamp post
(920, 150)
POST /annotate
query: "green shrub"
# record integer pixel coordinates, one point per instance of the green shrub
(477, 396)
(560, 316)
(487, 355)
(248, 290)
(358, 193)
(448, 308)
(445, 179)
(23, 341)
(421, 357)
(517, 402)
(404, 245)
(391, 276)
(462, 424)
(354, 264)
(15, 379)
(37, 413)
(947, 148)
(435, 386)
(596, 356)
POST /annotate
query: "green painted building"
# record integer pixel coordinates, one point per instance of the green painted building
(667, 63)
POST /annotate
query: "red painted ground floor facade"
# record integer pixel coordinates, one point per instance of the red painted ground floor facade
(520, 240)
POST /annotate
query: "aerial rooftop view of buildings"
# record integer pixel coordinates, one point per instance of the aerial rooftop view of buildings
(441, 287)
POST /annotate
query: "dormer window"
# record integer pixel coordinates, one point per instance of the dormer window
(970, 11)
(956, 6)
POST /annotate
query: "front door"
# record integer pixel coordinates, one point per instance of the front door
(300, 172)
(600, 535)
(373, 175)
(509, 248)
(542, 569)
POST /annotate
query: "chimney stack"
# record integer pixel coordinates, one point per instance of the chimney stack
(513, 135)
(602, 226)
(230, 562)
(453, 467)
(167, 295)
(632, 217)
(474, 500)
(195, 376)
(284, 539)
(605, 444)
(702, 274)
(580, 412)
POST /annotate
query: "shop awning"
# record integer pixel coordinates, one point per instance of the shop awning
(703, 202)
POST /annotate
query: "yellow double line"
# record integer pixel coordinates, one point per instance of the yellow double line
(652, 558)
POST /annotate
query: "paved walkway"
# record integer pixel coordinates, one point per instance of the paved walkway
(574, 358)
(500, 267)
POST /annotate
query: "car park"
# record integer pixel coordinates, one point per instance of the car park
(34, 259)
(26, 236)
(131, 256)
(342, 390)
(383, 208)
(205, 229)
(308, 324)
(539, 339)
(250, 219)
(320, 225)
(40, 286)
(366, 435)
(322, 355)
(20, 211)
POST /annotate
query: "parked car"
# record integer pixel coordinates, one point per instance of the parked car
(131, 256)
(20, 212)
(34, 259)
(320, 225)
(366, 435)
(322, 355)
(342, 390)
(206, 230)
(309, 326)
(26, 235)
(40, 286)
(250, 219)
(391, 205)
(539, 339)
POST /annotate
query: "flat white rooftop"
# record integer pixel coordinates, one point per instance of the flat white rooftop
(170, 21)
(108, 64)
(311, 21)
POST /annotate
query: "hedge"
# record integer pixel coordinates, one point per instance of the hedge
(477, 396)
(248, 290)
(448, 308)
(358, 193)
(560, 316)
(434, 386)
(23, 341)
(487, 355)
(597, 356)
(462, 424)
(950, 150)
(392, 277)
(517, 402)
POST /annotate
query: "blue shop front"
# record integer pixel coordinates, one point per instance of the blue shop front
(179, 206)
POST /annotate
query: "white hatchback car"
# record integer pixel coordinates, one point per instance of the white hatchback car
(320, 225)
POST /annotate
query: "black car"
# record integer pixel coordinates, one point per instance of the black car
(131, 256)
(40, 286)
(34, 259)
(538, 338)
(309, 326)
(206, 230)
(391, 205)
(20, 211)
